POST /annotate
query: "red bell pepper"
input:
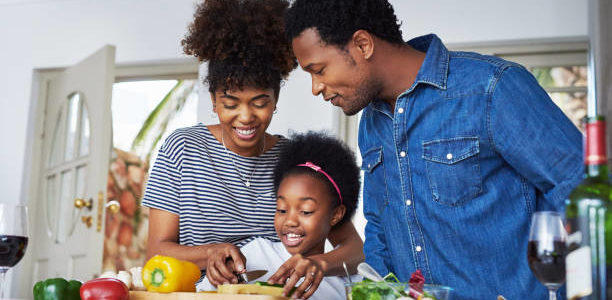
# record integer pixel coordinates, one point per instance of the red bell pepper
(104, 289)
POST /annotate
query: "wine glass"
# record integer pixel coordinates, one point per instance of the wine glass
(13, 237)
(546, 250)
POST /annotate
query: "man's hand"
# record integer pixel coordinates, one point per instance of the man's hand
(223, 261)
(295, 268)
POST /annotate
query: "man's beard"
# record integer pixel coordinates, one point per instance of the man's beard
(368, 90)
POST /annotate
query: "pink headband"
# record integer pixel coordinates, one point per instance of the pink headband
(318, 169)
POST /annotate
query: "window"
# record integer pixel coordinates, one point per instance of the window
(149, 102)
(567, 87)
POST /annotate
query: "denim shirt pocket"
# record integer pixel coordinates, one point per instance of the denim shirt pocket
(453, 169)
(374, 173)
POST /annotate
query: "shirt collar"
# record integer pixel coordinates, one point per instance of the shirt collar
(434, 70)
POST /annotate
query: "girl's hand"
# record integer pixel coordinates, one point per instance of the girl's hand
(224, 260)
(295, 268)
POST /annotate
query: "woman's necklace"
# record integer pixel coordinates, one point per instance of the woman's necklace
(246, 180)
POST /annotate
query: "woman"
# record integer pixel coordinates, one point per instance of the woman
(211, 189)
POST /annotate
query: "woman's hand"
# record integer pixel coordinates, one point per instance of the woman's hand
(224, 260)
(295, 268)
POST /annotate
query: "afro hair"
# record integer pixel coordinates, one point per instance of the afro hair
(244, 42)
(337, 20)
(333, 156)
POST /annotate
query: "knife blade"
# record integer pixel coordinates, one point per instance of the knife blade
(251, 275)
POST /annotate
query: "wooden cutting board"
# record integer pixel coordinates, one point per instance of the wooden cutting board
(137, 295)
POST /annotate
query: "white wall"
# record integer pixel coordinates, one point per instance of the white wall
(496, 20)
(56, 33)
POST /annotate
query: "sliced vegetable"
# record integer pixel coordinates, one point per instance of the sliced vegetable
(417, 281)
(104, 289)
(257, 288)
(164, 274)
(57, 289)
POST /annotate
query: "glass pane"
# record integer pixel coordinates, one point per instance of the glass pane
(574, 76)
(574, 105)
(84, 144)
(81, 179)
(65, 207)
(133, 107)
(81, 173)
(51, 209)
(71, 126)
(54, 156)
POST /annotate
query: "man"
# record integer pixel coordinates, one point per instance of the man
(459, 149)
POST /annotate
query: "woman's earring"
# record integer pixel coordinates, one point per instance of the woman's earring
(275, 110)
(213, 112)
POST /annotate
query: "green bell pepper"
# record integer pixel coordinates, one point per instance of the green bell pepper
(57, 289)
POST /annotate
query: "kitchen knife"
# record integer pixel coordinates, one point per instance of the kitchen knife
(251, 275)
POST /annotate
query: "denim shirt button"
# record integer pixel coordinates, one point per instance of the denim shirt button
(403, 154)
(449, 156)
(400, 110)
(418, 248)
(408, 202)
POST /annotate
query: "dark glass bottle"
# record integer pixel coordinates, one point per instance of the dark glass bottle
(589, 221)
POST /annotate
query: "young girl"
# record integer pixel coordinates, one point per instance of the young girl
(317, 184)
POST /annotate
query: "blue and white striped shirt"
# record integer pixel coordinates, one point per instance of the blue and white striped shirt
(194, 178)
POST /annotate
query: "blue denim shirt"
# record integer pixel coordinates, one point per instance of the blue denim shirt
(453, 174)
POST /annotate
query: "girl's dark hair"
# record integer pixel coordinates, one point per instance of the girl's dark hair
(244, 42)
(337, 20)
(333, 156)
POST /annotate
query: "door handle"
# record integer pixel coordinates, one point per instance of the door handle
(80, 203)
(87, 220)
(113, 206)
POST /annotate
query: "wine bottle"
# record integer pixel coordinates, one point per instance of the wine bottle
(588, 221)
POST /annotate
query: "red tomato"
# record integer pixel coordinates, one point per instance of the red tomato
(104, 289)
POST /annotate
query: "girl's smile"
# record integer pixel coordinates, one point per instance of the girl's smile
(291, 239)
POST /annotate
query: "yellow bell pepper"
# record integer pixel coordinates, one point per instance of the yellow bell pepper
(164, 274)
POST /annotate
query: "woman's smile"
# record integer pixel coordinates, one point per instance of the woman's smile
(245, 133)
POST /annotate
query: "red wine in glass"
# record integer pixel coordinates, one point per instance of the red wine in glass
(546, 250)
(12, 249)
(547, 261)
(13, 238)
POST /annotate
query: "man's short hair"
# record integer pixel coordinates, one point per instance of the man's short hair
(337, 20)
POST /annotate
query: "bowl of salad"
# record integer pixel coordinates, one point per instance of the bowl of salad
(370, 290)
(439, 292)
(391, 289)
